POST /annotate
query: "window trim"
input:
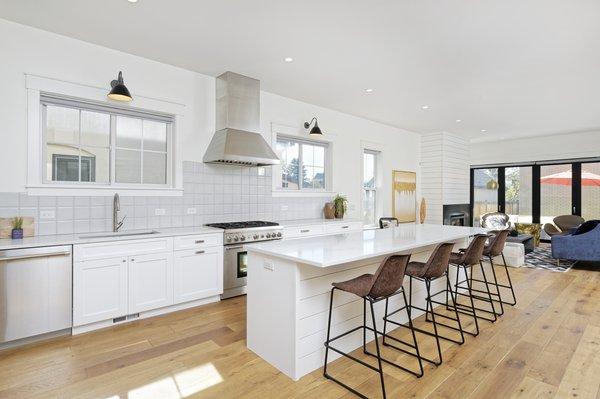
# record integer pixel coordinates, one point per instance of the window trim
(377, 179)
(300, 135)
(38, 86)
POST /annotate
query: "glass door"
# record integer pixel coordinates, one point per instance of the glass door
(485, 193)
(590, 190)
(518, 190)
(556, 190)
(242, 264)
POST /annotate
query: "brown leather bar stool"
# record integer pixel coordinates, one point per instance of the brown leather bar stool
(496, 248)
(385, 283)
(465, 260)
(435, 268)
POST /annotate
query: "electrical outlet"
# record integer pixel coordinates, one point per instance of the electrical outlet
(269, 266)
(284, 207)
(48, 214)
(160, 212)
(192, 211)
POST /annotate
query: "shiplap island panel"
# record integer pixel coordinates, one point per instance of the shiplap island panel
(289, 284)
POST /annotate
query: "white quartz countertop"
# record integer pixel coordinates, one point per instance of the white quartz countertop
(325, 251)
(87, 238)
(307, 222)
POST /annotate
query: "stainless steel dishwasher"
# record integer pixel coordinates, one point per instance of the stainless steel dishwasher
(35, 293)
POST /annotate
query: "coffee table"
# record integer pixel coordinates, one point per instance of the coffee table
(525, 239)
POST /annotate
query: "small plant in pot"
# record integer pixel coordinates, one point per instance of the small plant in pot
(17, 227)
(340, 203)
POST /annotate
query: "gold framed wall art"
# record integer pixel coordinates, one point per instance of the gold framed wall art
(404, 196)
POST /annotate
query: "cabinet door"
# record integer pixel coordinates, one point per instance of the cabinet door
(198, 274)
(150, 281)
(99, 290)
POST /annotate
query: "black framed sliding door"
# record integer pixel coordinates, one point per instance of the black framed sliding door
(590, 190)
(537, 192)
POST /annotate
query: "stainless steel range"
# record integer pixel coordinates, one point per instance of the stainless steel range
(235, 257)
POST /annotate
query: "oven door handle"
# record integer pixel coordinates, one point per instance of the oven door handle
(236, 247)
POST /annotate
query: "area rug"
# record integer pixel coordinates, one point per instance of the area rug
(541, 258)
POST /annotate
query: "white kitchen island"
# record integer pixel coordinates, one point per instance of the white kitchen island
(289, 284)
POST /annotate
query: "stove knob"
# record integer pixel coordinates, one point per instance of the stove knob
(268, 235)
(242, 238)
(278, 234)
(255, 236)
(262, 236)
(236, 239)
(228, 239)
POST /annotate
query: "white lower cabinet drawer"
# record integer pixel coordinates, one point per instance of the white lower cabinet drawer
(105, 250)
(197, 241)
(198, 274)
(301, 231)
(343, 227)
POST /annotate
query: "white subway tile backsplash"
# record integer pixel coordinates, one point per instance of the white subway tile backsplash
(217, 192)
(65, 227)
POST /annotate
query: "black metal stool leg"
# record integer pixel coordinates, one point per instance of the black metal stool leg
(487, 288)
(377, 348)
(514, 301)
(462, 335)
(328, 334)
(364, 325)
(435, 330)
(495, 283)
(472, 303)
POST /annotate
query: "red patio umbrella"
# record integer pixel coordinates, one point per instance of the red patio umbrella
(565, 179)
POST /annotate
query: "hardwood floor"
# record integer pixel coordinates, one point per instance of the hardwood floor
(547, 346)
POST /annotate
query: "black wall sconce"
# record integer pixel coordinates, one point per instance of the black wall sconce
(119, 92)
(315, 131)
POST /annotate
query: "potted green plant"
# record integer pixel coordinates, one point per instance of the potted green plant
(17, 227)
(340, 203)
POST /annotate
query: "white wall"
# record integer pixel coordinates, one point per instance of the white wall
(26, 50)
(445, 173)
(539, 148)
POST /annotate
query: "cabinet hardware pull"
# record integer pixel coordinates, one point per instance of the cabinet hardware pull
(124, 260)
(199, 252)
(304, 231)
(199, 241)
(344, 227)
(133, 260)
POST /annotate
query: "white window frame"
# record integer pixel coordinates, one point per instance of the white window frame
(375, 188)
(378, 149)
(301, 136)
(37, 87)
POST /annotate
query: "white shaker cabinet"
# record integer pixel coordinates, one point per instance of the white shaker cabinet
(131, 279)
(198, 273)
(150, 281)
(99, 290)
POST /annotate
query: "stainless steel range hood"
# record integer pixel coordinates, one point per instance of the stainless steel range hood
(237, 141)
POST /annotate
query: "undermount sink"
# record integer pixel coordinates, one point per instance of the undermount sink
(120, 234)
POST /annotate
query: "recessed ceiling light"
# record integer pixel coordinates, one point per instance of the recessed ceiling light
(368, 90)
(288, 59)
(425, 107)
(458, 121)
(132, 1)
(483, 130)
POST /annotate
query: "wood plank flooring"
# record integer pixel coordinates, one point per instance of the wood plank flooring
(548, 346)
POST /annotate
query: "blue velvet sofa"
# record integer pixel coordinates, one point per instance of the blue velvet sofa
(584, 246)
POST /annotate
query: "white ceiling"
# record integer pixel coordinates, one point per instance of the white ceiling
(511, 67)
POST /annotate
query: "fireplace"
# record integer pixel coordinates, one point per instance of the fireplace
(456, 215)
